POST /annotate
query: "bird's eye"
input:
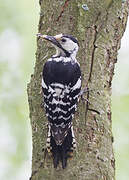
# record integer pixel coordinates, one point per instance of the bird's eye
(63, 40)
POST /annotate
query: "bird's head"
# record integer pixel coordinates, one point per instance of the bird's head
(66, 45)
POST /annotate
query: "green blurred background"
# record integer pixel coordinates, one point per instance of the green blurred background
(18, 27)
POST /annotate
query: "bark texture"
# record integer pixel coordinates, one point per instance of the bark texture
(99, 26)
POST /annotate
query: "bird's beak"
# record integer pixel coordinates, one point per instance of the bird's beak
(46, 37)
(52, 39)
(41, 35)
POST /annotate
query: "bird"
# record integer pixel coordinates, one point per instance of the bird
(61, 86)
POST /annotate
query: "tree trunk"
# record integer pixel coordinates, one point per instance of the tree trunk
(98, 26)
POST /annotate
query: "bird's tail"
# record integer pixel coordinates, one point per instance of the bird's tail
(63, 151)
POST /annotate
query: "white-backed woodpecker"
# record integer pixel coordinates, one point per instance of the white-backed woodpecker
(61, 85)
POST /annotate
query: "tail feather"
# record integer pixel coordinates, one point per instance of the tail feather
(60, 156)
(56, 159)
(64, 159)
(62, 152)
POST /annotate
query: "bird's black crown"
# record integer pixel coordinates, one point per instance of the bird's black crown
(72, 38)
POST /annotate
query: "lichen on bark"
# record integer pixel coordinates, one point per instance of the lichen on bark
(99, 30)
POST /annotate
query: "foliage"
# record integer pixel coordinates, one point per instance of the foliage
(18, 45)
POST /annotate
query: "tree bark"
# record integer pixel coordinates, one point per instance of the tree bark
(99, 26)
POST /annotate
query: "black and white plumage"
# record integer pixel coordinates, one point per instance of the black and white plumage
(61, 85)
